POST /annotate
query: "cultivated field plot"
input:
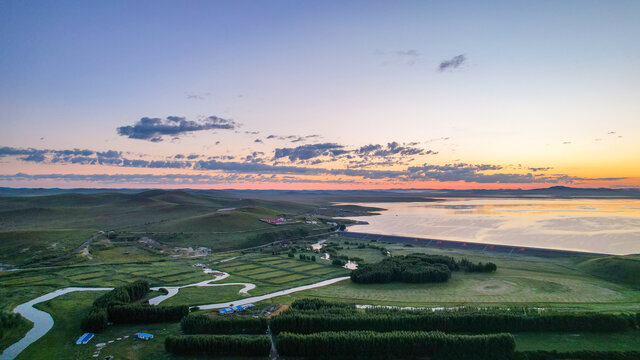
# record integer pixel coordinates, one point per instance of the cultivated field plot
(276, 270)
(205, 295)
(20, 286)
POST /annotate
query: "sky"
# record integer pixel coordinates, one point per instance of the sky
(319, 95)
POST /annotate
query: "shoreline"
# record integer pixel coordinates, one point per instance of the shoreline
(468, 245)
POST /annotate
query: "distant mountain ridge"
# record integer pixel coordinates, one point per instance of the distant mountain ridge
(358, 195)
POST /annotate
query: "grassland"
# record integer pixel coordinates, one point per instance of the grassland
(34, 229)
(585, 341)
(557, 282)
(67, 311)
(38, 228)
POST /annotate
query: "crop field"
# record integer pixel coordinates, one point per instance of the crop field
(271, 271)
(205, 295)
(20, 286)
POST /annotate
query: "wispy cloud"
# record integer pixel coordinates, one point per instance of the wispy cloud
(453, 63)
(154, 129)
(198, 96)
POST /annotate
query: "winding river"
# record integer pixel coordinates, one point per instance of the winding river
(43, 322)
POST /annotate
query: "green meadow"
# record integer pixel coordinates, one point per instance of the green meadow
(143, 231)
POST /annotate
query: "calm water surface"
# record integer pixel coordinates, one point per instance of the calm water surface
(607, 226)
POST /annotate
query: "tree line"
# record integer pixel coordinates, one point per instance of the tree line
(203, 324)
(97, 318)
(397, 344)
(416, 268)
(218, 345)
(144, 314)
(457, 322)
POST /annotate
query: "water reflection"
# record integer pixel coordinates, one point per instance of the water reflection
(598, 225)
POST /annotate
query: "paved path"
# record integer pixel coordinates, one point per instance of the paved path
(173, 290)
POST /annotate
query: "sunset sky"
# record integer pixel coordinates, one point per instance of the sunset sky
(319, 95)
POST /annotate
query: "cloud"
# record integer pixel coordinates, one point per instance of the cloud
(108, 154)
(293, 138)
(201, 96)
(254, 165)
(566, 143)
(257, 141)
(540, 169)
(409, 56)
(310, 151)
(153, 129)
(34, 158)
(392, 149)
(453, 63)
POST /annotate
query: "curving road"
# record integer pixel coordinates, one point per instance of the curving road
(43, 322)
(173, 290)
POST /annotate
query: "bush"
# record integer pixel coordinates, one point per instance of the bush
(8, 321)
(399, 344)
(218, 345)
(203, 324)
(95, 321)
(338, 262)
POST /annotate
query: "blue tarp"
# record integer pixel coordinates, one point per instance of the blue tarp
(84, 338)
(144, 336)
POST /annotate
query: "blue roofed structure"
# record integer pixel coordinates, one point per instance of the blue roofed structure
(84, 338)
(144, 336)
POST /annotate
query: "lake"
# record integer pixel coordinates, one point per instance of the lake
(595, 225)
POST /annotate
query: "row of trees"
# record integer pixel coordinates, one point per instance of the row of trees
(398, 344)
(97, 318)
(218, 345)
(416, 268)
(577, 355)
(123, 294)
(317, 304)
(144, 314)
(468, 266)
(203, 324)
(460, 322)
(307, 257)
